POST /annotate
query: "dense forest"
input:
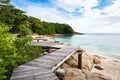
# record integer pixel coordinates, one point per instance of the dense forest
(16, 51)
(25, 25)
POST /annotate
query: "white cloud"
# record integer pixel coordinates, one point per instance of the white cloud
(47, 14)
(91, 20)
(112, 10)
(71, 5)
(96, 25)
(68, 5)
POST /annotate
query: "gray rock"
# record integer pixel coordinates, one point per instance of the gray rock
(60, 72)
(51, 50)
(45, 53)
(74, 74)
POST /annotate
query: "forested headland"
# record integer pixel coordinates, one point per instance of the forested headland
(24, 25)
(16, 51)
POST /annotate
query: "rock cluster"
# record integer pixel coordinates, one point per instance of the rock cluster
(71, 72)
(77, 74)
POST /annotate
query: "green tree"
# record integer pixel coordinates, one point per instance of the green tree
(4, 1)
(68, 29)
(36, 25)
(7, 52)
(24, 31)
(14, 52)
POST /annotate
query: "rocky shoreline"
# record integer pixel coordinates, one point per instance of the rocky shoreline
(94, 66)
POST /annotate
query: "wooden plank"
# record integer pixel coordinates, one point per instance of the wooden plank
(24, 68)
(50, 76)
(54, 68)
(30, 74)
(50, 59)
(40, 64)
(61, 54)
(57, 55)
(47, 76)
(57, 58)
(46, 60)
(46, 44)
(27, 72)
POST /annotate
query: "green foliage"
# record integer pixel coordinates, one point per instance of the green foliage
(57, 28)
(24, 30)
(7, 52)
(68, 29)
(14, 52)
(25, 25)
(27, 51)
(49, 28)
(13, 17)
(4, 1)
(63, 29)
(36, 25)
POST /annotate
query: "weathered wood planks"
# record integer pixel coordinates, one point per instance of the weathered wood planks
(42, 68)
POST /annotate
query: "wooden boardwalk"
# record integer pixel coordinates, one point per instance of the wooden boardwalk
(48, 44)
(42, 68)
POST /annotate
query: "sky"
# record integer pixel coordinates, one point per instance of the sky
(86, 16)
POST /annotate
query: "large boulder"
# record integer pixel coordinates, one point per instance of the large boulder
(64, 66)
(74, 74)
(72, 61)
(95, 76)
(87, 61)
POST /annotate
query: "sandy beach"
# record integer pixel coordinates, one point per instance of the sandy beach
(111, 68)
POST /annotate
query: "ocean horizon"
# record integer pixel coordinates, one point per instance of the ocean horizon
(107, 44)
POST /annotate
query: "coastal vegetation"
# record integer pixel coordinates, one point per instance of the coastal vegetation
(16, 51)
(25, 25)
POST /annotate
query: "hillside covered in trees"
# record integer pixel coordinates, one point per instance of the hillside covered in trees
(23, 24)
(16, 51)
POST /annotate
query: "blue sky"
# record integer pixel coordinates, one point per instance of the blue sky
(87, 16)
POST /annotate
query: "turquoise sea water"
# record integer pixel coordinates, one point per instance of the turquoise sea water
(104, 44)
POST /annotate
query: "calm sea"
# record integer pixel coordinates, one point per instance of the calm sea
(104, 44)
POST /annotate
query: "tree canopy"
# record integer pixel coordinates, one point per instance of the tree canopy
(25, 25)
(4, 1)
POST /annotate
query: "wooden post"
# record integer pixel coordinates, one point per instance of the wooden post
(37, 40)
(79, 59)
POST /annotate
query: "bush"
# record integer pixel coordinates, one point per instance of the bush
(14, 52)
